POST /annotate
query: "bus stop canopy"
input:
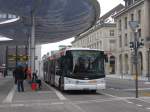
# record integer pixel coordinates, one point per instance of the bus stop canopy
(55, 20)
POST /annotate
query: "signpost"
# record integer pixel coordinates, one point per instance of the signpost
(135, 45)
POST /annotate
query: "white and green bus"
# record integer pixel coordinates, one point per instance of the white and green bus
(76, 69)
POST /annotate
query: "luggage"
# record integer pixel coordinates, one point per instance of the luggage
(34, 86)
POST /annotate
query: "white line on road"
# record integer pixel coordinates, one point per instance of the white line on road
(148, 108)
(27, 101)
(59, 94)
(134, 89)
(139, 105)
(100, 100)
(43, 92)
(110, 95)
(144, 100)
(130, 102)
(10, 95)
(123, 98)
(30, 104)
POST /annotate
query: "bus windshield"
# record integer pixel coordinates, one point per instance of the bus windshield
(89, 62)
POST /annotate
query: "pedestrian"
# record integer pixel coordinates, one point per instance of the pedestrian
(36, 80)
(14, 76)
(29, 74)
(25, 72)
(19, 75)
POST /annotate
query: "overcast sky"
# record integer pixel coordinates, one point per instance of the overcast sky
(106, 5)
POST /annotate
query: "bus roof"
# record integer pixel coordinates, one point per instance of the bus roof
(63, 52)
(83, 49)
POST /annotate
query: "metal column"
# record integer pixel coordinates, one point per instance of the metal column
(33, 44)
(148, 75)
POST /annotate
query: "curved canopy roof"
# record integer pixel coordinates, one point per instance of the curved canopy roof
(55, 20)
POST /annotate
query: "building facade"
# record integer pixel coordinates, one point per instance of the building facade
(139, 11)
(102, 36)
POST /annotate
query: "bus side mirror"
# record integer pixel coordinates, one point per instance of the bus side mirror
(106, 58)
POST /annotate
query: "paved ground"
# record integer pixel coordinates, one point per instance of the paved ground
(118, 97)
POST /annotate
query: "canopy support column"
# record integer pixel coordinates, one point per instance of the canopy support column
(29, 52)
(33, 44)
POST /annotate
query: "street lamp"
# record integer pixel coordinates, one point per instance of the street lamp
(135, 45)
(148, 75)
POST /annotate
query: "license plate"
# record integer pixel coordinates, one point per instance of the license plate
(92, 81)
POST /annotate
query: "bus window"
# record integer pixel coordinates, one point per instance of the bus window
(58, 67)
(69, 61)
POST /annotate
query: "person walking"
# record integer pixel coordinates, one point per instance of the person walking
(19, 75)
(14, 76)
(36, 80)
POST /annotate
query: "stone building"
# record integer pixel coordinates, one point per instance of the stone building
(102, 36)
(135, 10)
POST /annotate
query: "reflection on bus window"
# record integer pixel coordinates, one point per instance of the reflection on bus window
(85, 62)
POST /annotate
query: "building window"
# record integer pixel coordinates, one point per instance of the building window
(132, 17)
(112, 45)
(139, 16)
(126, 40)
(128, 2)
(139, 33)
(120, 25)
(120, 41)
(112, 32)
(125, 23)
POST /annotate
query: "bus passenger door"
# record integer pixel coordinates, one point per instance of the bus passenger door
(58, 72)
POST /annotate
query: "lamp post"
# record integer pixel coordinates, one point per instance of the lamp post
(135, 45)
(148, 75)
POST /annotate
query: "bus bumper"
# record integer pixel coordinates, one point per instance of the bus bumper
(84, 87)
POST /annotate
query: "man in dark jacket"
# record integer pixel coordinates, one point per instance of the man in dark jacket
(19, 75)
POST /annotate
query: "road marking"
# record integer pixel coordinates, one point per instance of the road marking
(99, 101)
(129, 102)
(10, 95)
(57, 103)
(30, 105)
(121, 98)
(27, 101)
(144, 101)
(45, 92)
(110, 95)
(148, 108)
(139, 105)
(134, 89)
(59, 94)
(16, 105)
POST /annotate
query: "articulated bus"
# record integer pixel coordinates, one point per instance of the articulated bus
(76, 69)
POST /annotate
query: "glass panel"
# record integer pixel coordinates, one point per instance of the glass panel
(87, 62)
